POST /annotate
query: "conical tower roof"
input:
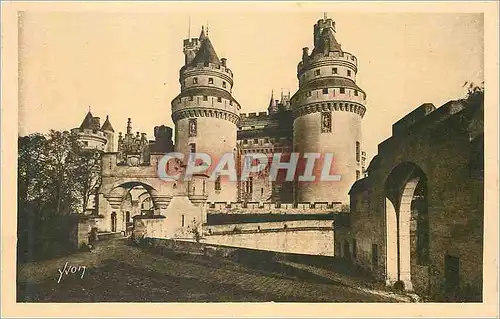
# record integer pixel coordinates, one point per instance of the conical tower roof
(107, 125)
(206, 53)
(327, 42)
(87, 121)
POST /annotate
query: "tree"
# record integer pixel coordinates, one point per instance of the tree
(475, 93)
(88, 175)
(56, 174)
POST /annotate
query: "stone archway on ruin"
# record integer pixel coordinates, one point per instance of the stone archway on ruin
(121, 192)
(407, 226)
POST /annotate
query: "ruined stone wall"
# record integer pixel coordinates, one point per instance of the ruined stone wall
(440, 145)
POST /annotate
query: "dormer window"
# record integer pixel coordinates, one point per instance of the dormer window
(210, 80)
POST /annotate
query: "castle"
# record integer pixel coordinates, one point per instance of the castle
(413, 219)
(323, 116)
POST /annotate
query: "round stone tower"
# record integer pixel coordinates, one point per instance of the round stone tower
(328, 108)
(90, 134)
(205, 113)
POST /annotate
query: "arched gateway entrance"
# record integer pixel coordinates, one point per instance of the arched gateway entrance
(407, 224)
(128, 200)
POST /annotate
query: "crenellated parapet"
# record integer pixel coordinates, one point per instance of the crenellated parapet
(274, 207)
(206, 113)
(329, 106)
(205, 69)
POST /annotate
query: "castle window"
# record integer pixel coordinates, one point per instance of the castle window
(342, 90)
(358, 174)
(219, 99)
(245, 141)
(205, 98)
(325, 91)
(249, 185)
(309, 93)
(230, 102)
(85, 143)
(358, 151)
(217, 184)
(206, 64)
(182, 220)
(191, 98)
(261, 191)
(223, 84)
(256, 140)
(195, 80)
(317, 72)
(356, 92)
(266, 140)
(348, 72)
(335, 71)
(210, 80)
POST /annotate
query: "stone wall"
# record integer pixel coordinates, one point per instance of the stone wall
(440, 145)
(309, 237)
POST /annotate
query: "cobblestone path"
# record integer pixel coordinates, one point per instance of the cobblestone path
(118, 272)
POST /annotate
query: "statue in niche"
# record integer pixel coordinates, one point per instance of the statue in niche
(192, 128)
(326, 122)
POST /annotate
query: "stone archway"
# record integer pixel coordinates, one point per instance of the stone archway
(407, 232)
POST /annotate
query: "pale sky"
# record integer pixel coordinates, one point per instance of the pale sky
(127, 64)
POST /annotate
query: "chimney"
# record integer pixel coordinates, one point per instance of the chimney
(305, 54)
(96, 123)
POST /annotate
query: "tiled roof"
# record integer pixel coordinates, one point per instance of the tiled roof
(206, 53)
(87, 121)
(107, 125)
(327, 42)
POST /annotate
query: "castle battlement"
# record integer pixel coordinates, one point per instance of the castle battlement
(255, 115)
(275, 206)
(207, 66)
(330, 58)
(89, 132)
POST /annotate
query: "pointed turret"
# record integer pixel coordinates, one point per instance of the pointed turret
(107, 127)
(273, 107)
(206, 53)
(202, 34)
(324, 37)
(87, 121)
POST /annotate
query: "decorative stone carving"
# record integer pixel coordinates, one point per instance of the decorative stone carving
(192, 127)
(326, 122)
